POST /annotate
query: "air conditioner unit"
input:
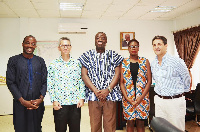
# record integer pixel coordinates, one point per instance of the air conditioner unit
(72, 28)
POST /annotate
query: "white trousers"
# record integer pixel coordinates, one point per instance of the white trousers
(173, 110)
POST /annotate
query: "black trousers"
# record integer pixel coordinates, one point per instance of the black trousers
(68, 114)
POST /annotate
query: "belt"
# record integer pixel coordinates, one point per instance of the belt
(171, 97)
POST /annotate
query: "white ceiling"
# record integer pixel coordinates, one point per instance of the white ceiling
(97, 9)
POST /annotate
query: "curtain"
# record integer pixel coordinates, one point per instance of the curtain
(188, 44)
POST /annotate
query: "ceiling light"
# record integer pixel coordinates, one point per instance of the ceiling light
(71, 6)
(163, 9)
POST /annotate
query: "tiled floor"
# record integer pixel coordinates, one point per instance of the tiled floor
(48, 124)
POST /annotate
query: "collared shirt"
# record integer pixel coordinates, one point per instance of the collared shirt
(64, 81)
(101, 71)
(171, 77)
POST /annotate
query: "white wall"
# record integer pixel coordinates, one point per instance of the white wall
(9, 46)
(46, 29)
(190, 20)
(9, 41)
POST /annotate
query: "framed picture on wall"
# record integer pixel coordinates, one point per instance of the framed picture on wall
(125, 37)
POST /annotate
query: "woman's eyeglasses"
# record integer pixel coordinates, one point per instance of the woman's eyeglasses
(133, 46)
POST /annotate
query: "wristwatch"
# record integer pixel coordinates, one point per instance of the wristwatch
(109, 89)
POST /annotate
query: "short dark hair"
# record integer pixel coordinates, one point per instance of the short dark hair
(102, 33)
(63, 38)
(133, 40)
(27, 37)
(161, 38)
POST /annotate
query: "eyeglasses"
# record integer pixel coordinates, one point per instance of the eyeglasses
(63, 46)
(133, 46)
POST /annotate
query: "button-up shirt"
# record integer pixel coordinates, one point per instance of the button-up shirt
(101, 71)
(171, 77)
(64, 81)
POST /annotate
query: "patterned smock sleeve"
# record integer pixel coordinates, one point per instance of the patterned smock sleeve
(84, 59)
(117, 59)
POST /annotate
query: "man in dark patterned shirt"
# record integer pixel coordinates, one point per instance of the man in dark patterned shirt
(26, 78)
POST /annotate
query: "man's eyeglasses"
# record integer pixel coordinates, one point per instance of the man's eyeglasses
(63, 46)
(133, 46)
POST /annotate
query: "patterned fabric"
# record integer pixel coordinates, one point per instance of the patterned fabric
(64, 81)
(30, 71)
(142, 110)
(101, 70)
(172, 77)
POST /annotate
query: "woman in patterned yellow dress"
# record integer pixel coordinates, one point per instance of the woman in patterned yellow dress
(135, 83)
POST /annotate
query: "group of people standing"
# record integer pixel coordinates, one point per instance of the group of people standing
(101, 76)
